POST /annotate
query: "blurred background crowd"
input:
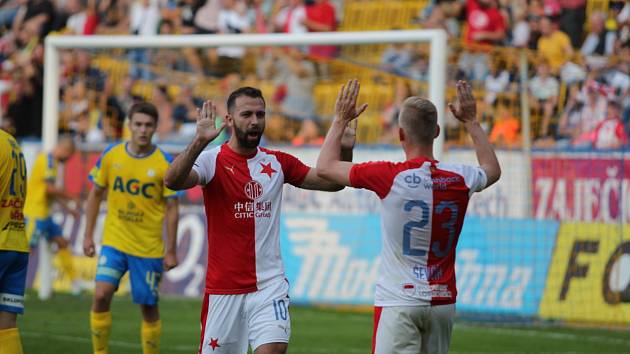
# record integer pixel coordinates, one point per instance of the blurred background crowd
(577, 54)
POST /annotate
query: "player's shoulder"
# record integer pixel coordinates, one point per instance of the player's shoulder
(163, 154)
(281, 156)
(113, 148)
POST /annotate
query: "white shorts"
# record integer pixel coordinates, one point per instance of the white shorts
(231, 323)
(412, 329)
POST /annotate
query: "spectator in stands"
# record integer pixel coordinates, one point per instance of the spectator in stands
(533, 22)
(599, 43)
(570, 120)
(233, 19)
(594, 108)
(396, 59)
(143, 21)
(291, 18)
(35, 15)
(505, 129)
(419, 68)
(9, 11)
(168, 59)
(610, 133)
(497, 81)
(442, 14)
(554, 46)
(297, 78)
(389, 117)
(572, 18)
(521, 30)
(85, 71)
(164, 105)
(207, 17)
(486, 27)
(321, 16)
(24, 112)
(125, 99)
(82, 20)
(544, 90)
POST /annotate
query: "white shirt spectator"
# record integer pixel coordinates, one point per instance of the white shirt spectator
(76, 23)
(144, 21)
(495, 85)
(544, 88)
(291, 19)
(233, 21)
(520, 34)
(592, 40)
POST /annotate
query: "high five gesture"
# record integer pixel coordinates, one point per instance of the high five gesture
(207, 129)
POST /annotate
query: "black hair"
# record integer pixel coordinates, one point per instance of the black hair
(243, 91)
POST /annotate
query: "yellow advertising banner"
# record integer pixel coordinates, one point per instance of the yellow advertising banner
(589, 276)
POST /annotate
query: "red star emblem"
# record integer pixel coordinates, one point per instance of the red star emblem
(214, 343)
(267, 169)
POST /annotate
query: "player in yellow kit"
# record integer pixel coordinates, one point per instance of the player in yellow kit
(13, 243)
(42, 193)
(132, 173)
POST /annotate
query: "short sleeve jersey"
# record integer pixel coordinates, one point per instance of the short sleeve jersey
(423, 205)
(44, 171)
(242, 196)
(12, 195)
(136, 199)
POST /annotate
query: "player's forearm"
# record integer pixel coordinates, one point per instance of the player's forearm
(331, 150)
(179, 170)
(485, 152)
(172, 217)
(91, 211)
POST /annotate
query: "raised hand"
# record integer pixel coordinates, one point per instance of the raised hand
(465, 107)
(346, 105)
(349, 136)
(207, 129)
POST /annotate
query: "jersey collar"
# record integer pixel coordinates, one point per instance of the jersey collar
(131, 154)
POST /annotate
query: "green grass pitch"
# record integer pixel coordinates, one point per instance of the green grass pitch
(61, 326)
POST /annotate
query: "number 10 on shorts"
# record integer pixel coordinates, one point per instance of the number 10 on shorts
(280, 309)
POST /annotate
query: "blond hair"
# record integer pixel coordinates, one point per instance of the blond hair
(418, 119)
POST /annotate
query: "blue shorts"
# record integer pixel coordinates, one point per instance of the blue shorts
(45, 228)
(13, 267)
(145, 273)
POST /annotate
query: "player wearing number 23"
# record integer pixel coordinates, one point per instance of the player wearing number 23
(423, 204)
(13, 243)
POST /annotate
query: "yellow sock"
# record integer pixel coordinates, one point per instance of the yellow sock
(67, 263)
(150, 333)
(10, 341)
(100, 323)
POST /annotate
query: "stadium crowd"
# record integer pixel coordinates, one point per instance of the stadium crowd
(578, 82)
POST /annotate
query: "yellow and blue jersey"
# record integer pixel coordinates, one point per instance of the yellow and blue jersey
(12, 195)
(136, 199)
(44, 171)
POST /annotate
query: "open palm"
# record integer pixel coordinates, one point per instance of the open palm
(206, 122)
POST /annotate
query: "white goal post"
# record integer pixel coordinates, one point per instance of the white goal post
(437, 58)
(437, 40)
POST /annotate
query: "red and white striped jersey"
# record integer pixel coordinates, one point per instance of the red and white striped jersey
(242, 196)
(423, 205)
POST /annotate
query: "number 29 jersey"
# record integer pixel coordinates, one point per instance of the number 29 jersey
(12, 195)
(423, 206)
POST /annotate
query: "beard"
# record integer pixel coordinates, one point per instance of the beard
(245, 140)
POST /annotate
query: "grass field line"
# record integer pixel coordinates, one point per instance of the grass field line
(551, 335)
(112, 343)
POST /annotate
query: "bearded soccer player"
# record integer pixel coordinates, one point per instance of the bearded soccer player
(132, 174)
(13, 243)
(43, 191)
(246, 299)
(423, 204)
